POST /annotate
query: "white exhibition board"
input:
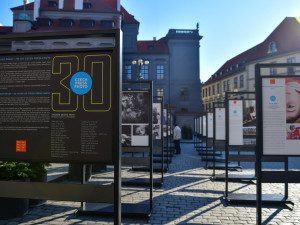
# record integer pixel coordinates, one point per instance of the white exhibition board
(204, 125)
(235, 121)
(281, 116)
(220, 124)
(210, 125)
(200, 127)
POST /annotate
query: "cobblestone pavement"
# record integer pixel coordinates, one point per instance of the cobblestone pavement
(188, 196)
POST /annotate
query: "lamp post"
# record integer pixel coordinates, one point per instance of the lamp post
(140, 63)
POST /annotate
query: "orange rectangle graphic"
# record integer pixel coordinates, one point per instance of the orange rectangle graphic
(21, 146)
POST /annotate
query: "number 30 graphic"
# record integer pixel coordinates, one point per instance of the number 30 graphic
(98, 99)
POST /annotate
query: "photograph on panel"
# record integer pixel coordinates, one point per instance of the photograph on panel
(292, 93)
(140, 135)
(293, 131)
(156, 113)
(157, 132)
(249, 113)
(126, 135)
(135, 107)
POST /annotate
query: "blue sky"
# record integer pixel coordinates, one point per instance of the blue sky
(228, 27)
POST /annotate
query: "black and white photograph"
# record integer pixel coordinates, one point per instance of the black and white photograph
(135, 107)
(156, 113)
(156, 132)
(126, 135)
(141, 130)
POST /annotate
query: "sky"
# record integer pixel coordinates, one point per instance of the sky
(228, 27)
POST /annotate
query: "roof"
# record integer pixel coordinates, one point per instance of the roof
(103, 6)
(128, 18)
(28, 6)
(286, 36)
(5, 30)
(159, 46)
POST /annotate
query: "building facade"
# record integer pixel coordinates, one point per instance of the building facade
(238, 73)
(173, 60)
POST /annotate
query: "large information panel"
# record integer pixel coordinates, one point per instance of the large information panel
(57, 107)
(210, 125)
(281, 116)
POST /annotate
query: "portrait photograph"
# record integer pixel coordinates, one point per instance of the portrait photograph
(292, 93)
(126, 135)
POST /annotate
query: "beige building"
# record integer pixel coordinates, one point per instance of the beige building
(238, 73)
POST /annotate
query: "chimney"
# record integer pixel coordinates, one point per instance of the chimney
(61, 4)
(154, 38)
(78, 4)
(36, 9)
(119, 5)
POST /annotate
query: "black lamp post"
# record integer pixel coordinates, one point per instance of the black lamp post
(140, 62)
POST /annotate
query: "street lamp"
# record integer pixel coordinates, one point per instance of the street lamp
(140, 62)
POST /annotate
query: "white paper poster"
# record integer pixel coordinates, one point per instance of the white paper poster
(281, 116)
(220, 124)
(235, 111)
(210, 125)
(156, 131)
(204, 125)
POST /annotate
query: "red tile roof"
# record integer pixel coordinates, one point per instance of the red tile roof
(29, 6)
(5, 30)
(128, 18)
(103, 6)
(287, 37)
(159, 46)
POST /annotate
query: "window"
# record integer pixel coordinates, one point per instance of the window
(218, 88)
(87, 5)
(208, 91)
(213, 90)
(145, 72)
(224, 86)
(160, 92)
(273, 71)
(291, 69)
(43, 22)
(52, 3)
(87, 23)
(228, 85)
(235, 83)
(65, 23)
(128, 72)
(203, 93)
(107, 24)
(272, 47)
(241, 81)
(184, 94)
(160, 72)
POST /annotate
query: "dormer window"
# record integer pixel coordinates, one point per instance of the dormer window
(87, 5)
(52, 3)
(66, 23)
(272, 47)
(44, 22)
(87, 23)
(107, 24)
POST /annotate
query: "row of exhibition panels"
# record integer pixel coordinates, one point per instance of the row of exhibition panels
(255, 127)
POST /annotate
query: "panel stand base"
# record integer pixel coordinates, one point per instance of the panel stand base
(107, 210)
(250, 199)
(141, 182)
(234, 177)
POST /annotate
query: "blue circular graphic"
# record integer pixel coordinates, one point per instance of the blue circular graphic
(234, 111)
(273, 98)
(220, 116)
(81, 83)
